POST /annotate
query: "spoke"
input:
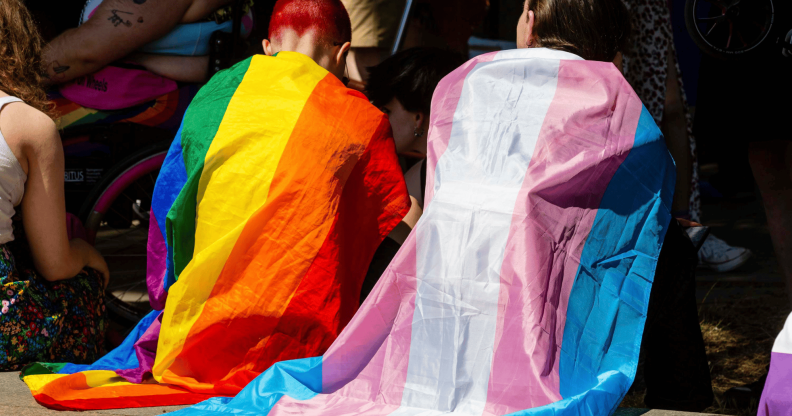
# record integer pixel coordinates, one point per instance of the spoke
(711, 29)
(731, 30)
(136, 284)
(711, 18)
(740, 37)
(121, 286)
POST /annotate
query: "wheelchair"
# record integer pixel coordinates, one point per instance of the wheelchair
(738, 29)
(113, 159)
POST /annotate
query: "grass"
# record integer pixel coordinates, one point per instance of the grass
(739, 323)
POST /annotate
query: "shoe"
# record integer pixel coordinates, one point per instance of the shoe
(746, 396)
(715, 254)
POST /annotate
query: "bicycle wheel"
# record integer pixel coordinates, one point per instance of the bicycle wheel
(116, 218)
(729, 29)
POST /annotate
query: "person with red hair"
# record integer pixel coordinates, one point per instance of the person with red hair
(318, 29)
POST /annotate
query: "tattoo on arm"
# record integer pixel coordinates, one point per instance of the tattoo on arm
(117, 19)
(139, 1)
(57, 69)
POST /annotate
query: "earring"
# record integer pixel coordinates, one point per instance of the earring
(417, 133)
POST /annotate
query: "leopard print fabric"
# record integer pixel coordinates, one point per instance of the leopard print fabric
(646, 69)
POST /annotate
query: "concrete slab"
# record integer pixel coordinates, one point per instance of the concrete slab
(630, 411)
(15, 399)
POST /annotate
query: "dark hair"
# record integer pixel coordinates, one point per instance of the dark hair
(20, 56)
(328, 17)
(411, 77)
(593, 29)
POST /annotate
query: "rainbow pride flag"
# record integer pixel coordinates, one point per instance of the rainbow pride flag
(276, 192)
(777, 394)
(524, 287)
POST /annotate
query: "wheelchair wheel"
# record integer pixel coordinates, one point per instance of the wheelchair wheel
(729, 29)
(116, 218)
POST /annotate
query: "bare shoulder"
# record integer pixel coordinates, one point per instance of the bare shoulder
(21, 122)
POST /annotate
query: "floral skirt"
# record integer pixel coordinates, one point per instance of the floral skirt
(62, 321)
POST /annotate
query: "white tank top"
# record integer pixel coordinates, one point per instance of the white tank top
(12, 182)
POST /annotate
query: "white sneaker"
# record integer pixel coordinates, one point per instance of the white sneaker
(721, 257)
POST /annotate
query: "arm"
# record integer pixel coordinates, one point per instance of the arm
(178, 68)
(43, 203)
(117, 28)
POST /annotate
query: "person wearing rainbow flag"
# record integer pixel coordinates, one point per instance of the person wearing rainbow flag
(276, 191)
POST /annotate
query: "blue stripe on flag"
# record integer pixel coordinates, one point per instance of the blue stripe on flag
(122, 357)
(299, 379)
(171, 180)
(609, 299)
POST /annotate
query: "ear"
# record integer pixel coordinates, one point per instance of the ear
(341, 54)
(267, 47)
(529, 33)
(420, 118)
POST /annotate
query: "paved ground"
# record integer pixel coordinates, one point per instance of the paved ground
(16, 400)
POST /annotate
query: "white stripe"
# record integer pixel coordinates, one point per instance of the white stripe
(462, 235)
(784, 341)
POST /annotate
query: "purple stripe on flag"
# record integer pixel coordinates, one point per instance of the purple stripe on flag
(146, 351)
(777, 395)
(155, 269)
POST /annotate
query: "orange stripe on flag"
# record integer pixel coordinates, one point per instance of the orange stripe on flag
(278, 245)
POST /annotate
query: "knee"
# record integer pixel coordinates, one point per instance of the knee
(770, 166)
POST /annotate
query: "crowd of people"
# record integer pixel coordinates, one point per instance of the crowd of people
(227, 198)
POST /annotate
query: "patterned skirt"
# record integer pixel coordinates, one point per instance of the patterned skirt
(62, 321)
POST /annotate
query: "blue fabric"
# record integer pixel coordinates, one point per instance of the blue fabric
(299, 379)
(121, 358)
(190, 39)
(172, 177)
(609, 299)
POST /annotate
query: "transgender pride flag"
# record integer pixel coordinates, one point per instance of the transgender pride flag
(524, 287)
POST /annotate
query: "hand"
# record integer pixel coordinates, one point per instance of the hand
(98, 263)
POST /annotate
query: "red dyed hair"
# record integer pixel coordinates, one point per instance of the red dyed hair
(328, 17)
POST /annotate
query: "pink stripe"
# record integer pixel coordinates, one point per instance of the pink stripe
(365, 369)
(155, 266)
(555, 210)
(444, 104)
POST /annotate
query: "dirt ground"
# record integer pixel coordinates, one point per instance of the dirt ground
(741, 312)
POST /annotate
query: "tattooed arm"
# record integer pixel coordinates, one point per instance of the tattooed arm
(116, 29)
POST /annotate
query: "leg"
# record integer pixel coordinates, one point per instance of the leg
(771, 163)
(676, 372)
(674, 128)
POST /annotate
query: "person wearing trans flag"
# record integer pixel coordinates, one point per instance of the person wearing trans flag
(525, 285)
(276, 192)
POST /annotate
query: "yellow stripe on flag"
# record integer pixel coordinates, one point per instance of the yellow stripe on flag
(233, 185)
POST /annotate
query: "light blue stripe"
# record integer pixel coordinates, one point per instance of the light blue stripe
(299, 379)
(609, 299)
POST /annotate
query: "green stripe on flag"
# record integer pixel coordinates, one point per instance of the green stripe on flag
(201, 122)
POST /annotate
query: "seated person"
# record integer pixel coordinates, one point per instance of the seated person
(525, 286)
(402, 86)
(266, 213)
(51, 286)
(410, 77)
(126, 52)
